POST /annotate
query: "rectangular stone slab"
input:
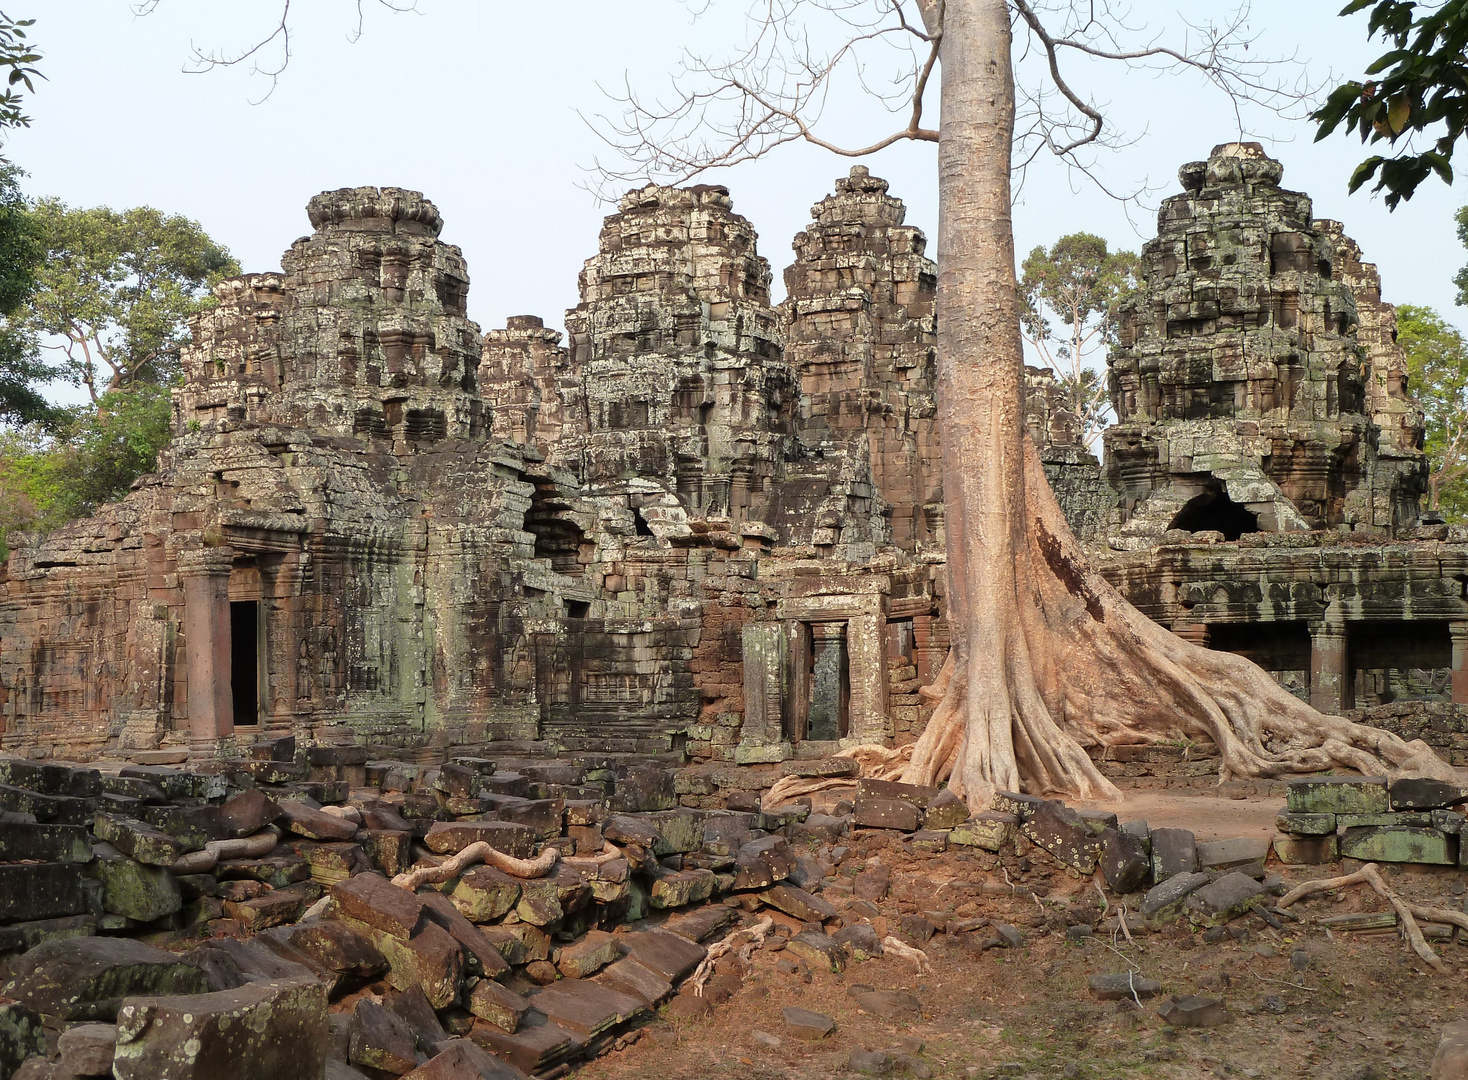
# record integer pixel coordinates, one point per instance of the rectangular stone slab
(1338, 795)
(479, 952)
(260, 1031)
(629, 977)
(990, 830)
(875, 812)
(670, 955)
(587, 1008)
(916, 794)
(1420, 793)
(1174, 851)
(1400, 843)
(26, 842)
(86, 978)
(536, 1045)
(31, 891)
(1306, 850)
(1305, 824)
(450, 837)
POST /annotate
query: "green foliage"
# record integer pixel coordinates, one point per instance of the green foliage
(20, 56)
(1067, 297)
(87, 457)
(1419, 88)
(21, 251)
(1437, 367)
(116, 291)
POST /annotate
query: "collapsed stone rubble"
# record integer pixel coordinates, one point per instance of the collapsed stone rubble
(243, 920)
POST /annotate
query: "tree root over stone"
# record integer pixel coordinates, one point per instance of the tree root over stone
(478, 852)
(251, 847)
(1406, 912)
(745, 940)
(1062, 661)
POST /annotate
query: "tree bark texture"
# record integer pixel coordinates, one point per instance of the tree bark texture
(1048, 658)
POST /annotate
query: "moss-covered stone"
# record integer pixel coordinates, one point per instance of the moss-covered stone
(1338, 795)
(1400, 843)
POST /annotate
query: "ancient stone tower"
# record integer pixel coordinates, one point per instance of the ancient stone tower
(688, 397)
(1240, 385)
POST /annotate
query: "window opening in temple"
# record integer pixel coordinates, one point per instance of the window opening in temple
(1398, 661)
(828, 716)
(244, 660)
(639, 524)
(1280, 648)
(1214, 510)
(578, 609)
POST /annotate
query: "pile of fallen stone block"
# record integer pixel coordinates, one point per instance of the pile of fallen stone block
(242, 921)
(1410, 820)
(1207, 882)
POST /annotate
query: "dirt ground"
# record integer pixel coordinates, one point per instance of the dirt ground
(1363, 1008)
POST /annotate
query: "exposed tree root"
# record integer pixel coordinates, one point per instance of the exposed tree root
(1405, 912)
(1072, 664)
(876, 762)
(746, 940)
(609, 853)
(478, 852)
(900, 949)
(246, 847)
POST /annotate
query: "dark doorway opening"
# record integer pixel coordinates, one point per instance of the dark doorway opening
(244, 661)
(1216, 511)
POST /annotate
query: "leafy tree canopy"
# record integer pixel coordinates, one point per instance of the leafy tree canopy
(1416, 91)
(1437, 366)
(1067, 296)
(20, 57)
(86, 456)
(116, 291)
(22, 371)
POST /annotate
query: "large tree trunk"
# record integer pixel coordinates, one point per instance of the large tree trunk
(1048, 657)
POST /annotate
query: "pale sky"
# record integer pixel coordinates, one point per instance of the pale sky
(476, 105)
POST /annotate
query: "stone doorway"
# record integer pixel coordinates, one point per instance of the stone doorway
(244, 625)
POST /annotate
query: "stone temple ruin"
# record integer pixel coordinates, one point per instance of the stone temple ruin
(707, 524)
(413, 635)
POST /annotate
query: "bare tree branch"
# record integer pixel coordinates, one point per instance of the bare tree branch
(717, 114)
(271, 55)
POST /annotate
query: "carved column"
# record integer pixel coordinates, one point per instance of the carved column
(761, 738)
(1330, 676)
(1459, 633)
(1197, 633)
(868, 666)
(205, 575)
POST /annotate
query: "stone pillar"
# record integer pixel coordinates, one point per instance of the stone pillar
(1330, 676)
(1197, 633)
(1459, 633)
(796, 711)
(761, 738)
(868, 666)
(830, 691)
(205, 575)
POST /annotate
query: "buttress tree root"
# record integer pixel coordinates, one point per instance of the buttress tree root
(1079, 666)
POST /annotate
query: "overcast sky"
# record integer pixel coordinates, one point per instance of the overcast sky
(478, 104)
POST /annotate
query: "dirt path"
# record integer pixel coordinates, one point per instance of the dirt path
(1210, 817)
(1363, 1008)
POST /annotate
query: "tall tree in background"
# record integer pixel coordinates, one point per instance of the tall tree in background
(115, 293)
(113, 298)
(22, 370)
(1066, 297)
(1437, 366)
(1047, 657)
